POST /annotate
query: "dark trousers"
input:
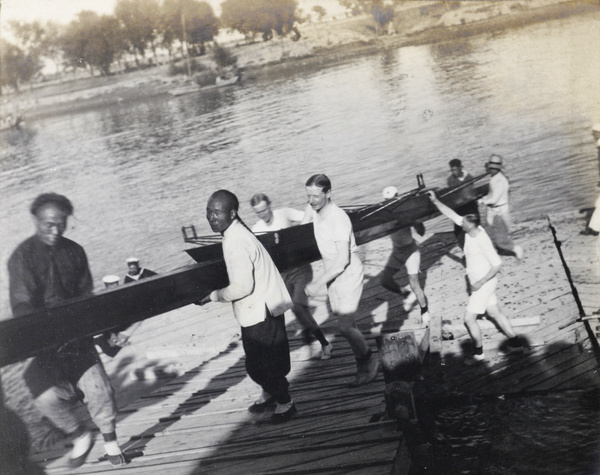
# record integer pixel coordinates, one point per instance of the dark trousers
(268, 356)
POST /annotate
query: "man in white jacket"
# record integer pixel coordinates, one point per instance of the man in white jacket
(259, 298)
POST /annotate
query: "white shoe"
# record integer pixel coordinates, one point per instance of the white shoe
(82, 446)
(474, 359)
(425, 319)
(518, 252)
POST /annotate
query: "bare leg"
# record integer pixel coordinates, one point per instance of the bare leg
(415, 285)
(387, 280)
(494, 312)
(473, 328)
(349, 331)
(305, 318)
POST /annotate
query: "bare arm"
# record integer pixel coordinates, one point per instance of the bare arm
(489, 276)
(341, 263)
(445, 210)
(308, 215)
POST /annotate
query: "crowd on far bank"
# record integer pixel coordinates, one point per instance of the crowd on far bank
(48, 268)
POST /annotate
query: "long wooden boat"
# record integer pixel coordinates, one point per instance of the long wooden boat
(50, 328)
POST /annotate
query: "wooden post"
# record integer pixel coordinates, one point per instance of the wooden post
(401, 356)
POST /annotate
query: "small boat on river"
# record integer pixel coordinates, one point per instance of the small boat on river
(50, 328)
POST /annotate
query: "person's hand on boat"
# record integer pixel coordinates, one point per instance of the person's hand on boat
(203, 301)
(432, 196)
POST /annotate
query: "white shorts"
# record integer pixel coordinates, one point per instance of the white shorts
(345, 291)
(407, 256)
(483, 298)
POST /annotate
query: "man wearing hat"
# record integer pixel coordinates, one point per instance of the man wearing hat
(498, 214)
(405, 253)
(135, 271)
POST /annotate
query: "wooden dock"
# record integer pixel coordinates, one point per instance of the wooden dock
(183, 390)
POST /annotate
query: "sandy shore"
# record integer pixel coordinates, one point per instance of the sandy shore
(416, 23)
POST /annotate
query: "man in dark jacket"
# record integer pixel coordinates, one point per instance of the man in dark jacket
(45, 270)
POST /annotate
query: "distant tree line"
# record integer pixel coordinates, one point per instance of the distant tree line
(96, 42)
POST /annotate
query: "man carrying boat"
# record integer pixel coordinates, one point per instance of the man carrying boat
(343, 274)
(260, 299)
(498, 215)
(457, 177)
(482, 266)
(405, 253)
(295, 279)
(45, 270)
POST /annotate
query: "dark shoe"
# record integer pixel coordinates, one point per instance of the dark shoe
(284, 416)
(117, 460)
(84, 443)
(260, 407)
(514, 346)
(589, 232)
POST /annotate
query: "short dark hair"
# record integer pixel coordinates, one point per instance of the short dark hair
(227, 197)
(455, 162)
(320, 180)
(472, 218)
(60, 201)
(258, 198)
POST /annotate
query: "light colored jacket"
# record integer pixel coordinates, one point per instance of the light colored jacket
(255, 284)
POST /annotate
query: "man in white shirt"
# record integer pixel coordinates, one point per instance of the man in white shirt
(259, 298)
(498, 215)
(295, 279)
(483, 265)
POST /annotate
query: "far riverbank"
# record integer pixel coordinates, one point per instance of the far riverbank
(416, 23)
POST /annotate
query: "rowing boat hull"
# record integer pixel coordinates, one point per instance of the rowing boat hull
(33, 334)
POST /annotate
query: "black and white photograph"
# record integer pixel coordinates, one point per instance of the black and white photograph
(300, 237)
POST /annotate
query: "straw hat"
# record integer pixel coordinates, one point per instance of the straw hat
(389, 192)
(495, 162)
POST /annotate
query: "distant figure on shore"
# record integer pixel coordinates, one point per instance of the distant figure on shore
(483, 266)
(45, 270)
(136, 272)
(259, 299)
(295, 279)
(593, 226)
(498, 214)
(343, 274)
(458, 176)
(405, 253)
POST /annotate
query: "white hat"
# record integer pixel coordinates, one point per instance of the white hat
(390, 192)
(110, 279)
(132, 260)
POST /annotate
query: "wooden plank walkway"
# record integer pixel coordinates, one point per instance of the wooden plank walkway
(183, 391)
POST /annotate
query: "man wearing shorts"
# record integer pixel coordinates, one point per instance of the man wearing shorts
(405, 253)
(483, 266)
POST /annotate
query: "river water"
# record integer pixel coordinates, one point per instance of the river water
(138, 171)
